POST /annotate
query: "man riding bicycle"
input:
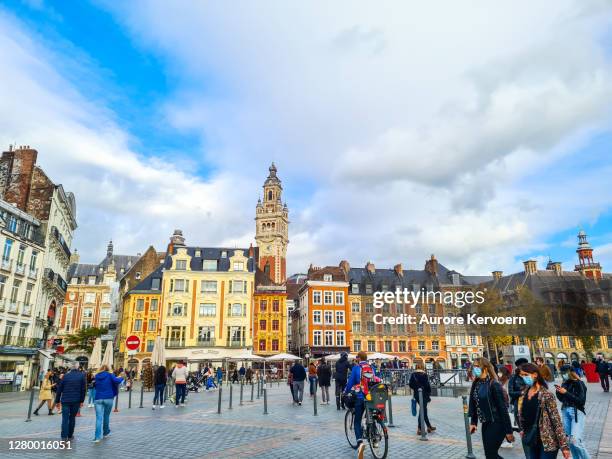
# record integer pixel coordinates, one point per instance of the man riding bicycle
(358, 382)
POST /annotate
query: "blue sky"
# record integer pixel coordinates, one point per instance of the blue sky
(397, 132)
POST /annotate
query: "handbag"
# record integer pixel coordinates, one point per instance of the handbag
(532, 436)
(414, 407)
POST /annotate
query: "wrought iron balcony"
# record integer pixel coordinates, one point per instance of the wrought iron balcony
(27, 310)
(19, 268)
(206, 343)
(18, 341)
(32, 273)
(175, 343)
(55, 279)
(13, 306)
(234, 343)
(60, 240)
(6, 264)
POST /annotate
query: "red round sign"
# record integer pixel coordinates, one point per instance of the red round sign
(132, 342)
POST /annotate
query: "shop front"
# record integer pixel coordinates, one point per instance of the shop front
(17, 369)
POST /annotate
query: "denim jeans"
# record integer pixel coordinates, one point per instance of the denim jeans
(359, 410)
(298, 391)
(313, 384)
(575, 430)
(103, 411)
(158, 399)
(181, 389)
(69, 412)
(92, 396)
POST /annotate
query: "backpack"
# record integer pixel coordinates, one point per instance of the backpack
(367, 377)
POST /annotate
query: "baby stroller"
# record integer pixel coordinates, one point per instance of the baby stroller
(194, 383)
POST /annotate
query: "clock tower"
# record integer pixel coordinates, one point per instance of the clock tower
(272, 229)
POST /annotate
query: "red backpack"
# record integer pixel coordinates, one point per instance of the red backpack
(367, 377)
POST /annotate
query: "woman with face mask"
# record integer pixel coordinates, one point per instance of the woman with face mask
(488, 405)
(572, 394)
(541, 428)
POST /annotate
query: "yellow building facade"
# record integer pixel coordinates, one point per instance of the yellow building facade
(270, 320)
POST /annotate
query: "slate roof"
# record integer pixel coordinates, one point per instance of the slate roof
(87, 269)
(214, 253)
(146, 284)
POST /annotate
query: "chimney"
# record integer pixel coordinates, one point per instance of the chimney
(431, 265)
(399, 271)
(531, 266)
(346, 267)
(497, 275)
(370, 267)
(251, 251)
(18, 182)
(554, 266)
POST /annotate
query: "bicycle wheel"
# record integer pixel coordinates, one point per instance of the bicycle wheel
(349, 428)
(378, 439)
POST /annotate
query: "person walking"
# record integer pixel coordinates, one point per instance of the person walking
(290, 384)
(45, 395)
(242, 373)
(516, 387)
(324, 375)
(603, 370)
(487, 406)
(420, 380)
(249, 375)
(298, 376)
(341, 376)
(572, 394)
(71, 394)
(107, 388)
(219, 376)
(160, 378)
(179, 374)
(541, 427)
(312, 378)
(91, 389)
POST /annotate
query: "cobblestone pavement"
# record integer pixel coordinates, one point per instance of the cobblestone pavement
(244, 431)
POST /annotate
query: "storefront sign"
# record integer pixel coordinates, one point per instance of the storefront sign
(7, 377)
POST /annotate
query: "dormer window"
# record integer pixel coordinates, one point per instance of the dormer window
(224, 254)
(138, 275)
(355, 288)
(209, 265)
(198, 253)
(384, 287)
(368, 289)
(327, 277)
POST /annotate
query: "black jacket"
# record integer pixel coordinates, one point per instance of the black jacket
(492, 404)
(298, 372)
(342, 369)
(602, 367)
(71, 388)
(575, 395)
(419, 379)
(515, 388)
(324, 374)
(161, 376)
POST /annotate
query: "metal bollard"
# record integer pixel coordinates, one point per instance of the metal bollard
(241, 391)
(390, 424)
(422, 417)
(29, 419)
(468, 435)
(116, 410)
(219, 402)
(314, 399)
(141, 394)
(231, 395)
(130, 400)
(252, 390)
(265, 396)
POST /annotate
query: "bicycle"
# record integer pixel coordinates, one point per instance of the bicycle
(374, 428)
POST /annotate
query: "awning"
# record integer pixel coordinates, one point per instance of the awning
(47, 354)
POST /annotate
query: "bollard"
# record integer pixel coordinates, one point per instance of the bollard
(29, 419)
(231, 394)
(468, 435)
(258, 388)
(141, 394)
(130, 400)
(390, 424)
(219, 402)
(314, 404)
(165, 393)
(241, 391)
(116, 410)
(265, 396)
(422, 417)
(252, 390)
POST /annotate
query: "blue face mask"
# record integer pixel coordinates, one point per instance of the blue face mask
(528, 380)
(477, 372)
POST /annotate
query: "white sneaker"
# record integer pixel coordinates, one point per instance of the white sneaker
(153, 408)
(90, 405)
(182, 404)
(163, 406)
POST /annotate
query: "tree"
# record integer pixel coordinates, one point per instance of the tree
(588, 344)
(83, 339)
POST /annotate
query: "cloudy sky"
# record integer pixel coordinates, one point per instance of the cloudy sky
(478, 132)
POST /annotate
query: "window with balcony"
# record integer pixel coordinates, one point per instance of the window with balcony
(20, 267)
(15, 290)
(316, 338)
(6, 253)
(209, 286)
(327, 297)
(206, 335)
(316, 297)
(27, 300)
(208, 309)
(329, 338)
(236, 336)
(175, 336)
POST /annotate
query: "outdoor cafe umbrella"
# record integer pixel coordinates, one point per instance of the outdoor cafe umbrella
(158, 356)
(95, 360)
(334, 357)
(380, 355)
(283, 357)
(108, 355)
(247, 356)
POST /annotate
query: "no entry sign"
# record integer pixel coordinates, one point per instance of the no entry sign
(132, 342)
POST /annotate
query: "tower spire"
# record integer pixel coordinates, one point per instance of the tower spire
(586, 265)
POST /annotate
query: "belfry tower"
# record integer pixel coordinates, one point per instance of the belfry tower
(586, 265)
(272, 229)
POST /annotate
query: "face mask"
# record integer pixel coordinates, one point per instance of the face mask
(528, 380)
(565, 376)
(477, 372)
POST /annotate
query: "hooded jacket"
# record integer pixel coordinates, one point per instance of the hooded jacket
(342, 369)
(106, 385)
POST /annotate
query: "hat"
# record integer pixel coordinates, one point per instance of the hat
(521, 361)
